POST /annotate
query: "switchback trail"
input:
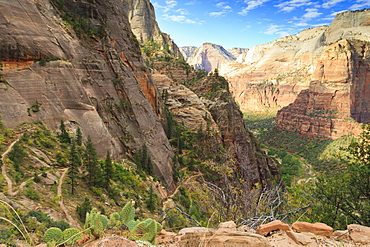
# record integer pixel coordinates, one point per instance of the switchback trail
(69, 218)
(3, 168)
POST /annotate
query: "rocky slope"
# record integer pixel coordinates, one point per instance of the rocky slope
(90, 75)
(81, 63)
(206, 105)
(276, 233)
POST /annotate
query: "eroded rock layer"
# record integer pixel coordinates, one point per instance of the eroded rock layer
(338, 95)
(89, 77)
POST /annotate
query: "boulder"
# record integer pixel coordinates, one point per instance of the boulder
(109, 241)
(359, 234)
(165, 237)
(316, 228)
(301, 238)
(273, 226)
(229, 226)
(222, 239)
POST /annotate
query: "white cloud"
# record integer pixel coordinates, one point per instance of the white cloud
(311, 14)
(338, 12)
(251, 4)
(272, 29)
(225, 8)
(179, 18)
(170, 4)
(276, 29)
(360, 4)
(331, 3)
(191, 2)
(182, 11)
(291, 5)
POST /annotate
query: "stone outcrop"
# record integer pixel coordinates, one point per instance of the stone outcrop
(97, 82)
(273, 226)
(218, 115)
(316, 228)
(359, 234)
(141, 16)
(216, 238)
(187, 51)
(208, 56)
(337, 98)
(274, 74)
(223, 236)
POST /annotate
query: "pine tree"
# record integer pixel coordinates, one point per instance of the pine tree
(82, 209)
(143, 160)
(151, 202)
(108, 171)
(64, 136)
(75, 161)
(78, 137)
(91, 162)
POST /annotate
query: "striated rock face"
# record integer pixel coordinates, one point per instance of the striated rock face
(273, 74)
(208, 57)
(188, 51)
(98, 82)
(323, 70)
(141, 16)
(199, 107)
(337, 97)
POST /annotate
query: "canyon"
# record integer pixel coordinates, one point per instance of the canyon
(92, 74)
(317, 79)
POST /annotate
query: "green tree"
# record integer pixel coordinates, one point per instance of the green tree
(343, 196)
(78, 137)
(63, 136)
(82, 209)
(143, 160)
(75, 162)
(91, 163)
(151, 202)
(17, 155)
(108, 171)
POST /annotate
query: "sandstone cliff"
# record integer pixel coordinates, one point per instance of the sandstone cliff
(208, 56)
(297, 67)
(337, 99)
(141, 16)
(322, 70)
(206, 104)
(87, 72)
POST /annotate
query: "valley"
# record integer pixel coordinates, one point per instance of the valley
(109, 130)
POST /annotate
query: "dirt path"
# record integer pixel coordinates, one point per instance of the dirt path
(185, 182)
(3, 168)
(69, 218)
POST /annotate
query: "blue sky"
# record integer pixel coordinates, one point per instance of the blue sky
(244, 23)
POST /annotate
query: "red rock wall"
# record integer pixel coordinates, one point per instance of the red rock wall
(339, 95)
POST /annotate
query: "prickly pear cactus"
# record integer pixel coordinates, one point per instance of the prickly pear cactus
(131, 224)
(150, 231)
(114, 220)
(127, 213)
(53, 234)
(138, 231)
(94, 224)
(159, 226)
(71, 236)
(104, 221)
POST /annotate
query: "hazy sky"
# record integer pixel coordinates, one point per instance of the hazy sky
(244, 23)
